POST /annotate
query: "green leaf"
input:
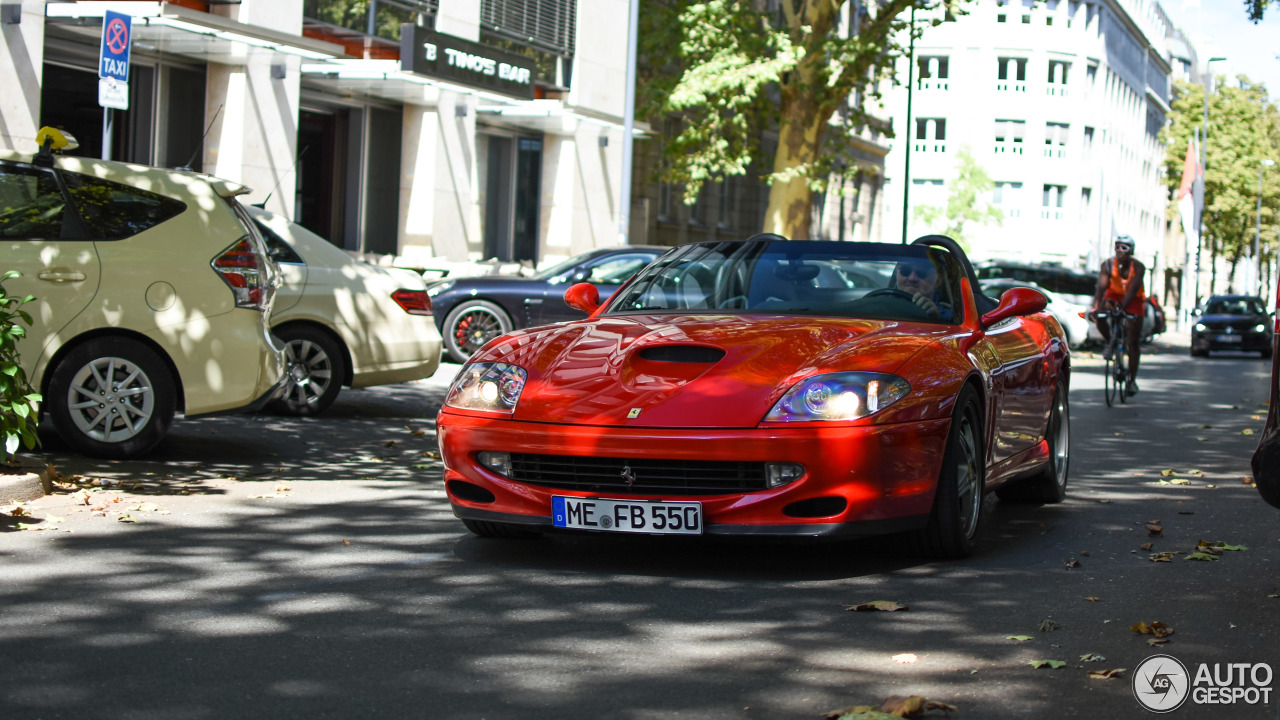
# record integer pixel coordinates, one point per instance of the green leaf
(1200, 556)
(1019, 638)
(1054, 664)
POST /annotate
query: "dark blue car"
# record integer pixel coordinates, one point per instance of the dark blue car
(472, 311)
(1237, 323)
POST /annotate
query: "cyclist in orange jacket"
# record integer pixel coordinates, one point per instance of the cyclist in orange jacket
(1120, 285)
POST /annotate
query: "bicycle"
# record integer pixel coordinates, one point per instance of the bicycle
(1115, 375)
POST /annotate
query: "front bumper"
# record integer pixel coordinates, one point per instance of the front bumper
(885, 474)
(1250, 341)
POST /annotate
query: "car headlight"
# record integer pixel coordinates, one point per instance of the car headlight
(1200, 327)
(1259, 328)
(839, 396)
(436, 289)
(490, 386)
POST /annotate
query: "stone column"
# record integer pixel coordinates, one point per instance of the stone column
(254, 139)
(21, 63)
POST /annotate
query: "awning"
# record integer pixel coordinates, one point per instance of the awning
(160, 26)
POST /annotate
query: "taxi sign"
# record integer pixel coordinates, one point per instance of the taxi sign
(113, 60)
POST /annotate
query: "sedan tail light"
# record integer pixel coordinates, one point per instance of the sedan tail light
(243, 269)
(414, 302)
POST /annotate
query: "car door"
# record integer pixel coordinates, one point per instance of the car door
(42, 238)
(607, 273)
(1022, 392)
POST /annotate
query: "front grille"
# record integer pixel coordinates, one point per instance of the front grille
(651, 477)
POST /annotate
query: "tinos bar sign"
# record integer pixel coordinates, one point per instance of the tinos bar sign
(445, 57)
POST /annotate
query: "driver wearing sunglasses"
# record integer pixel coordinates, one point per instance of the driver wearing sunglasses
(919, 278)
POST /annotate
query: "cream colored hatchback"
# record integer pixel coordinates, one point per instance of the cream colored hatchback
(153, 289)
(343, 321)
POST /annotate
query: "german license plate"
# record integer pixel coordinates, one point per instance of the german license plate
(628, 516)
(1229, 338)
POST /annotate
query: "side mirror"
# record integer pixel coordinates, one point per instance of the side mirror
(1016, 302)
(583, 296)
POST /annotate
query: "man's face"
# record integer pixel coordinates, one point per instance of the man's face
(1123, 251)
(917, 276)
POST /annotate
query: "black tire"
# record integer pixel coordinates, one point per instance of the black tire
(316, 369)
(472, 324)
(1109, 382)
(487, 529)
(109, 420)
(1050, 486)
(952, 530)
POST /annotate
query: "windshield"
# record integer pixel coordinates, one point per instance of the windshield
(561, 267)
(1234, 306)
(854, 280)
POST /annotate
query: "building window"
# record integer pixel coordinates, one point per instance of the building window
(931, 135)
(1051, 204)
(934, 72)
(1008, 197)
(1055, 139)
(1009, 136)
(1052, 7)
(1011, 74)
(548, 25)
(1026, 11)
(1058, 77)
(1086, 199)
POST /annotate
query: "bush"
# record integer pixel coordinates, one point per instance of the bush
(19, 406)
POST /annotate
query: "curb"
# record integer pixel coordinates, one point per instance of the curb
(30, 485)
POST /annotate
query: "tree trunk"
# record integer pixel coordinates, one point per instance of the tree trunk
(802, 122)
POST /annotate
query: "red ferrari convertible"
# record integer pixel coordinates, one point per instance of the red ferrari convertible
(770, 388)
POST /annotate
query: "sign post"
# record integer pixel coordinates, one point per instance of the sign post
(113, 71)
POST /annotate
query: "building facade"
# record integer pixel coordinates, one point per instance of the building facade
(1060, 102)
(426, 131)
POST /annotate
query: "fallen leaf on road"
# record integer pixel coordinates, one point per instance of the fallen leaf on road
(883, 605)
(431, 454)
(1247, 431)
(1157, 641)
(1205, 427)
(1202, 439)
(1091, 657)
(421, 466)
(905, 658)
(389, 443)
(82, 497)
(1073, 564)
(1218, 546)
(1201, 556)
(1161, 557)
(17, 510)
(1054, 664)
(1154, 530)
(1246, 480)
(1166, 473)
(893, 707)
(126, 518)
(1179, 481)
(1146, 546)
(1156, 628)
(1092, 598)
(1019, 638)
(1049, 625)
(1106, 674)
(345, 541)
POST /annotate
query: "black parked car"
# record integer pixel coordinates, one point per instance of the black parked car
(1232, 322)
(472, 311)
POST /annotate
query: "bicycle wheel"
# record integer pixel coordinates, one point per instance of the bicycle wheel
(1109, 378)
(1122, 372)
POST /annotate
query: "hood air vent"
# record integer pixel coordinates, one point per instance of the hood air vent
(682, 354)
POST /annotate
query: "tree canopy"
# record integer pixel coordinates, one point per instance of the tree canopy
(1244, 130)
(810, 71)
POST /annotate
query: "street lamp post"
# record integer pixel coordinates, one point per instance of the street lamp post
(1199, 188)
(1257, 237)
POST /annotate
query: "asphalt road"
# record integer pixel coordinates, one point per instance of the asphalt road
(264, 567)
